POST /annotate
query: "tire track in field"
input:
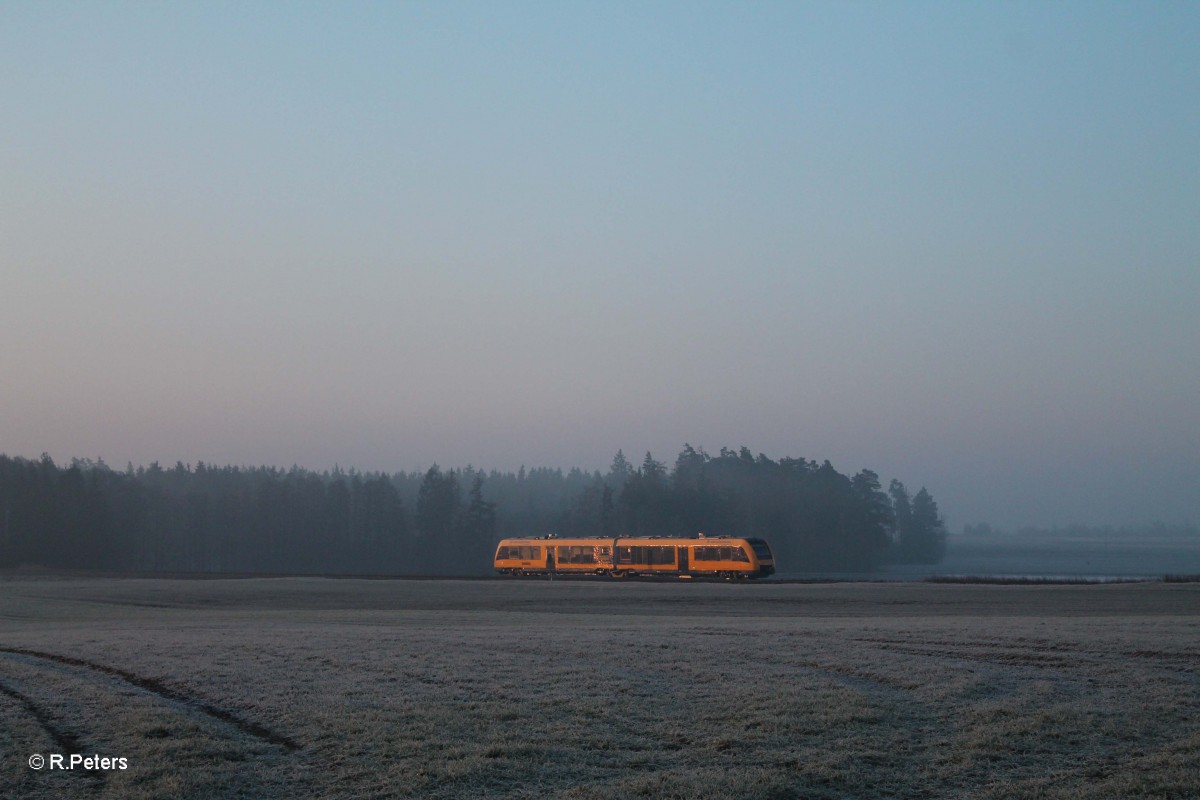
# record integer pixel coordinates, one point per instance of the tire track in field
(1039, 653)
(64, 740)
(905, 732)
(163, 692)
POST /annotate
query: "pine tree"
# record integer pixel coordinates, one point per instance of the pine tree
(620, 471)
(928, 533)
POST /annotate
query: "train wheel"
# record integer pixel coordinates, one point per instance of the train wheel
(616, 573)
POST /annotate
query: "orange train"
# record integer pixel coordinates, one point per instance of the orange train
(701, 556)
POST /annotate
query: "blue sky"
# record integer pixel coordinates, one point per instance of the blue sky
(956, 243)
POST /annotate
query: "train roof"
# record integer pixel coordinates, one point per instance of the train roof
(693, 538)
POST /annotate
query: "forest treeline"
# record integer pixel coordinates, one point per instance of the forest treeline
(206, 518)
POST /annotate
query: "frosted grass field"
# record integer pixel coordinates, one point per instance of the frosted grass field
(304, 687)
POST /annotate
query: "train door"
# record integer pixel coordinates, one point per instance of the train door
(683, 559)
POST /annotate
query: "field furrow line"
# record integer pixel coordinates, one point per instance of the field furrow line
(164, 692)
(64, 740)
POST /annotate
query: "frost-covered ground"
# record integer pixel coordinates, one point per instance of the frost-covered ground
(343, 688)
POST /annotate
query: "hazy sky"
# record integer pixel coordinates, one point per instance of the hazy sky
(956, 243)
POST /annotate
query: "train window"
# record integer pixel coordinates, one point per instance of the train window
(726, 554)
(740, 555)
(576, 554)
(521, 552)
(638, 555)
(760, 548)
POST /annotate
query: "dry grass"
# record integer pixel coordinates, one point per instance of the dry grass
(340, 689)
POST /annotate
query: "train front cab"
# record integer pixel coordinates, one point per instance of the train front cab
(522, 557)
(763, 558)
(729, 558)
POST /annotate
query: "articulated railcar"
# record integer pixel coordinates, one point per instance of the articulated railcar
(701, 556)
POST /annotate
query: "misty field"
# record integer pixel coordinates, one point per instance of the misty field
(315, 688)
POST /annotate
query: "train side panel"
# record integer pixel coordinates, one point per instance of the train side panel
(648, 556)
(582, 556)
